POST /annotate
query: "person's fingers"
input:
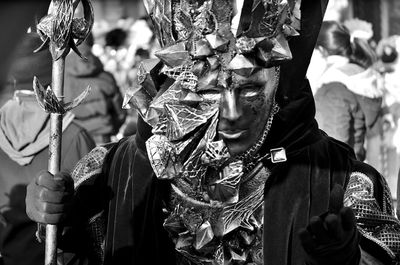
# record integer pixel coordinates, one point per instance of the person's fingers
(318, 230)
(333, 225)
(52, 208)
(51, 196)
(336, 199)
(44, 212)
(307, 240)
(30, 201)
(59, 182)
(348, 218)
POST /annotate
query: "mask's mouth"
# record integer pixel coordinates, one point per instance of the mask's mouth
(231, 134)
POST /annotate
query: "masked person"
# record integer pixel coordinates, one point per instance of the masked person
(228, 165)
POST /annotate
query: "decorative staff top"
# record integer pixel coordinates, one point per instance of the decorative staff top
(61, 31)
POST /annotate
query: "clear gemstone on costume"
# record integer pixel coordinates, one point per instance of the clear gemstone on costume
(139, 98)
(238, 258)
(204, 235)
(243, 65)
(183, 120)
(191, 98)
(147, 74)
(213, 62)
(200, 49)
(174, 55)
(163, 158)
(281, 50)
(208, 81)
(217, 42)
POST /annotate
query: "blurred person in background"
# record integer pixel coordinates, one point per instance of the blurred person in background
(100, 113)
(349, 100)
(24, 140)
(20, 14)
(389, 67)
(114, 54)
(390, 70)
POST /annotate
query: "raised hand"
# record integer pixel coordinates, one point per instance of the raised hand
(49, 198)
(332, 238)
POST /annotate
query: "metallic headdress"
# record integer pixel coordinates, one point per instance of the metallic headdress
(253, 32)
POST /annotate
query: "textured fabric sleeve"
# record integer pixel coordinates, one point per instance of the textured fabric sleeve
(369, 196)
(84, 234)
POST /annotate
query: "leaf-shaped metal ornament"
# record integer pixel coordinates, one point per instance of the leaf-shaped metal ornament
(48, 101)
(78, 100)
(81, 27)
(46, 98)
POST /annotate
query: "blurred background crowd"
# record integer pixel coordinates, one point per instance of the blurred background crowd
(354, 74)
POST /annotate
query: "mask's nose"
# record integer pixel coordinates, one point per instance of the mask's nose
(230, 108)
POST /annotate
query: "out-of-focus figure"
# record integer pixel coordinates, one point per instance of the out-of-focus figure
(24, 140)
(348, 100)
(100, 113)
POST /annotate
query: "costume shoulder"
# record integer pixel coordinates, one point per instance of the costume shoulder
(92, 198)
(368, 194)
(92, 164)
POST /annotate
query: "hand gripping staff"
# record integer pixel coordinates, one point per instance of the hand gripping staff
(60, 30)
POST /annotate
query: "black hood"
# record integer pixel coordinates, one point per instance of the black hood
(294, 126)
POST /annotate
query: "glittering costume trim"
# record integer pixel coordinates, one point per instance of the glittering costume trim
(375, 223)
(215, 232)
(86, 170)
(89, 165)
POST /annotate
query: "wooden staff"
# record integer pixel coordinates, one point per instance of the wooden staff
(61, 32)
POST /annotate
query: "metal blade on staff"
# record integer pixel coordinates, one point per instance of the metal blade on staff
(60, 32)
